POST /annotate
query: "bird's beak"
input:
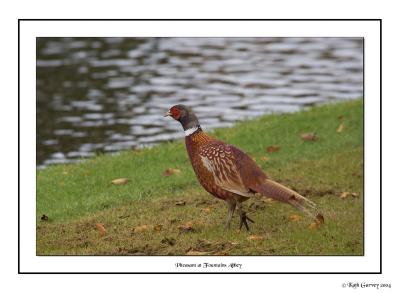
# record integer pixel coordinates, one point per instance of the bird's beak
(167, 114)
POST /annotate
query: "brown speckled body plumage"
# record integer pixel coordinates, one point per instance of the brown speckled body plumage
(200, 144)
(229, 174)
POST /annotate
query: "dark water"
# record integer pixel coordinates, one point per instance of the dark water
(109, 94)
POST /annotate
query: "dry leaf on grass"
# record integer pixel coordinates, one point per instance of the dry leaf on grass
(273, 148)
(255, 237)
(187, 227)
(313, 226)
(120, 181)
(310, 136)
(340, 128)
(206, 210)
(171, 171)
(180, 203)
(101, 229)
(158, 227)
(294, 218)
(44, 218)
(140, 228)
(345, 194)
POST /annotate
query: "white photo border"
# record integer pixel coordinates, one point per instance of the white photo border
(368, 29)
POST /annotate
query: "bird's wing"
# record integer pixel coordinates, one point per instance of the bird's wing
(219, 159)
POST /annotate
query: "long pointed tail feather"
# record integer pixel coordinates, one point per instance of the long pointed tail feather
(274, 190)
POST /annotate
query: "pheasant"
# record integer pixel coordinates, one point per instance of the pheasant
(229, 174)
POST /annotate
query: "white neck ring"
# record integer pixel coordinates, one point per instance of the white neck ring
(191, 130)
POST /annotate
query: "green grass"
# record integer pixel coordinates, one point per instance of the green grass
(76, 197)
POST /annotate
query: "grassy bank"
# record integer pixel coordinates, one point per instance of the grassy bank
(158, 214)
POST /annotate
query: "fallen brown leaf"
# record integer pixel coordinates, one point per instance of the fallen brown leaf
(44, 218)
(180, 203)
(187, 227)
(206, 210)
(313, 226)
(255, 237)
(184, 228)
(141, 228)
(101, 229)
(273, 148)
(294, 218)
(120, 181)
(311, 136)
(344, 194)
(158, 227)
(171, 171)
(340, 128)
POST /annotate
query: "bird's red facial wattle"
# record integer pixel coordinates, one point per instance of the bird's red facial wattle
(174, 112)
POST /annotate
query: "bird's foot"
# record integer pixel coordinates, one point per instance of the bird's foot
(243, 220)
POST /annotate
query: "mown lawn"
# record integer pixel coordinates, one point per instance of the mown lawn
(154, 214)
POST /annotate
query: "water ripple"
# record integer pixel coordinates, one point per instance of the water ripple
(108, 94)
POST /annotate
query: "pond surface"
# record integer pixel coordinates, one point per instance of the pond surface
(109, 94)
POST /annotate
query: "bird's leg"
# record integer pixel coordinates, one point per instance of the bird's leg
(231, 210)
(243, 218)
